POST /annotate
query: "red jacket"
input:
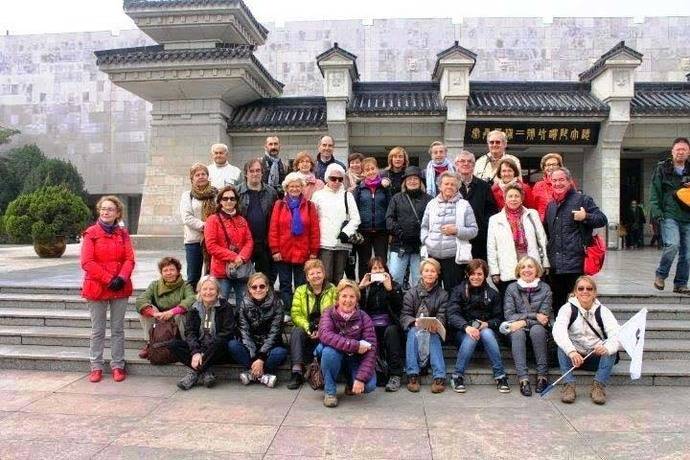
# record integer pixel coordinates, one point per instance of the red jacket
(240, 238)
(294, 249)
(541, 195)
(103, 257)
(500, 199)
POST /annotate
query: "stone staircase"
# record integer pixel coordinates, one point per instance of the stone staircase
(49, 328)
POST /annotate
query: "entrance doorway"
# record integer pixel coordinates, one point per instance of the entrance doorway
(631, 182)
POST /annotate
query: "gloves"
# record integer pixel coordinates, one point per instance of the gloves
(343, 238)
(116, 284)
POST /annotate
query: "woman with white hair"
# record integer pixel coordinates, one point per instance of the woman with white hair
(338, 221)
(293, 235)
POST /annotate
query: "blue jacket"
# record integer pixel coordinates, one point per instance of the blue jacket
(567, 238)
(372, 208)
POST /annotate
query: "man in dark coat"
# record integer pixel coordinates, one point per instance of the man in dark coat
(570, 220)
(274, 169)
(325, 157)
(478, 193)
(634, 220)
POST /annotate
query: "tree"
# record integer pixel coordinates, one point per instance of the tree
(6, 133)
(55, 172)
(15, 166)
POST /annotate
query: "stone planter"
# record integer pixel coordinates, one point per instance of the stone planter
(51, 249)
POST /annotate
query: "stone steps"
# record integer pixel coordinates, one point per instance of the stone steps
(49, 301)
(63, 336)
(56, 318)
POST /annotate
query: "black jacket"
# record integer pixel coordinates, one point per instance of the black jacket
(261, 325)
(267, 196)
(372, 208)
(282, 173)
(568, 238)
(396, 179)
(377, 301)
(418, 301)
(482, 202)
(402, 223)
(468, 304)
(226, 328)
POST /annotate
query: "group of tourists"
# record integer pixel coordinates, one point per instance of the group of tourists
(375, 268)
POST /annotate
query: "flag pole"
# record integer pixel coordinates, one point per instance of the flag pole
(551, 386)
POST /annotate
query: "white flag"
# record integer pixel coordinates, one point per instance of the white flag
(631, 336)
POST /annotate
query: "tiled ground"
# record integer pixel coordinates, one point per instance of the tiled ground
(61, 415)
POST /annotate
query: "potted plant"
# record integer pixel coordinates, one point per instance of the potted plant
(48, 215)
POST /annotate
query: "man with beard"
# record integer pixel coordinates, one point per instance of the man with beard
(274, 170)
(325, 157)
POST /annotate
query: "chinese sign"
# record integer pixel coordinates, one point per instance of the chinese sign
(535, 133)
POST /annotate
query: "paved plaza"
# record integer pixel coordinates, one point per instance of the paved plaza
(62, 415)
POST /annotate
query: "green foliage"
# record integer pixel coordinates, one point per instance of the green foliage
(15, 166)
(46, 213)
(54, 172)
(6, 133)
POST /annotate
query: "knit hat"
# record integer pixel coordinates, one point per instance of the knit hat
(412, 171)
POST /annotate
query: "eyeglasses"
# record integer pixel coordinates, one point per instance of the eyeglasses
(585, 288)
(255, 171)
(551, 165)
(108, 209)
(495, 142)
(228, 198)
(257, 287)
(335, 179)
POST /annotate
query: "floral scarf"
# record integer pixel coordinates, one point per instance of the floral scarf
(517, 229)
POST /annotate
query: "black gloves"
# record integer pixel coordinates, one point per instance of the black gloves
(344, 238)
(116, 284)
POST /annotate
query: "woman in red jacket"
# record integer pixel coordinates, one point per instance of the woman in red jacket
(229, 242)
(542, 191)
(293, 236)
(509, 173)
(107, 258)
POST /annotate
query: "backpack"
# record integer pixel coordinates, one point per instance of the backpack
(161, 335)
(575, 312)
(595, 251)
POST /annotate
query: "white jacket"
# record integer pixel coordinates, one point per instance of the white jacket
(190, 211)
(227, 175)
(440, 212)
(485, 171)
(331, 207)
(580, 337)
(500, 247)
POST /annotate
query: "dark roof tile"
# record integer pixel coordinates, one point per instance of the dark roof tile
(661, 99)
(280, 113)
(396, 98)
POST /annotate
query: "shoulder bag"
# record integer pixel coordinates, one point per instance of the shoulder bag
(242, 271)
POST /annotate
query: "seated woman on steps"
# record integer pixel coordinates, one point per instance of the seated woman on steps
(209, 326)
(166, 298)
(260, 346)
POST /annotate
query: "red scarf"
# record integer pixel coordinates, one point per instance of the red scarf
(559, 196)
(440, 169)
(516, 228)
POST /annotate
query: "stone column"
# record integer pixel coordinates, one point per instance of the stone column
(182, 133)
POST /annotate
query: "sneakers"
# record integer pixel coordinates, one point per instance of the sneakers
(542, 383)
(681, 290)
(568, 393)
(393, 384)
(598, 393)
(188, 381)
(208, 379)
(296, 381)
(95, 376)
(457, 383)
(502, 385)
(119, 374)
(413, 383)
(269, 380)
(659, 283)
(144, 352)
(438, 386)
(330, 400)
(525, 388)
(246, 378)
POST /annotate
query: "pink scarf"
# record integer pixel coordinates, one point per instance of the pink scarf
(373, 184)
(518, 231)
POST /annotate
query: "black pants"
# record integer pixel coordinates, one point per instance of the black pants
(561, 287)
(451, 273)
(301, 347)
(215, 355)
(263, 262)
(373, 241)
(390, 347)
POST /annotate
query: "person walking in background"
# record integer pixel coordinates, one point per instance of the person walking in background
(634, 220)
(107, 258)
(670, 176)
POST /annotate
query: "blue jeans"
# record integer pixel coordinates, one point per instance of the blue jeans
(286, 273)
(397, 264)
(602, 365)
(676, 236)
(239, 286)
(240, 354)
(438, 365)
(332, 361)
(466, 350)
(195, 262)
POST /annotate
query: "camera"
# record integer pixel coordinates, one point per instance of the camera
(377, 277)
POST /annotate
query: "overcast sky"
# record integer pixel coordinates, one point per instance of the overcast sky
(42, 16)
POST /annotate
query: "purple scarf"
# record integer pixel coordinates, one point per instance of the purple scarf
(108, 228)
(293, 204)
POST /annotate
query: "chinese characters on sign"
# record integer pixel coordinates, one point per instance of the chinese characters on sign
(535, 133)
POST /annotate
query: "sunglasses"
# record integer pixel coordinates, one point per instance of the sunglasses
(228, 198)
(336, 179)
(495, 142)
(257, 287)
(585, 288)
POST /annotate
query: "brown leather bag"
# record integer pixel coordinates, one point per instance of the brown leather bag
(161, 335)
(314, 375)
